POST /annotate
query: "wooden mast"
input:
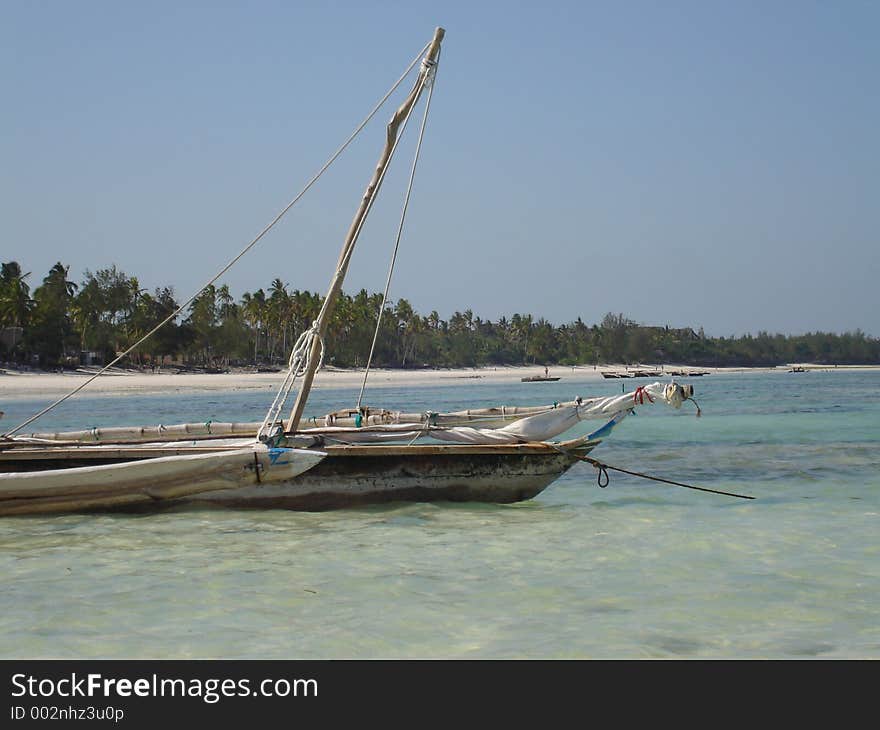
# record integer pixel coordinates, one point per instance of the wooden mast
(345, 256)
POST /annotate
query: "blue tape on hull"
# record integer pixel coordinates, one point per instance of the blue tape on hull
(608, 427)
(275, 454)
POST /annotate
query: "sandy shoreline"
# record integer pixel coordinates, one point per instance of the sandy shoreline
(24, 385)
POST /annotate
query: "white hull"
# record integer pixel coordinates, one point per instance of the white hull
(149, 481)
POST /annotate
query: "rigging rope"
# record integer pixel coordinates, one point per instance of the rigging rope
(228, 266)
(429, 79)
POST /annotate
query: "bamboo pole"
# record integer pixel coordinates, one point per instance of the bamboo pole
(351, 238)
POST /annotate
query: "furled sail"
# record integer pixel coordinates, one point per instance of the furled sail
(538, 427)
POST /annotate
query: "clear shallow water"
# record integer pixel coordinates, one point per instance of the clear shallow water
(637, 570)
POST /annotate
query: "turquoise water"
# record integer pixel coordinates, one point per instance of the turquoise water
(636, 570)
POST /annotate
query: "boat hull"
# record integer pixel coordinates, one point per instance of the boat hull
(336, 477)
(353, 476)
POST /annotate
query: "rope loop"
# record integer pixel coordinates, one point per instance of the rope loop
(299, 356)
(640, 394)
(602, 478)
(429, 70)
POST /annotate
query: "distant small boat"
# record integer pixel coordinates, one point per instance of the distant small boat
(798, 370)
(538, 379)
(631, 374)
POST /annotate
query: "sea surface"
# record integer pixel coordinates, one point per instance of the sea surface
(639, 569)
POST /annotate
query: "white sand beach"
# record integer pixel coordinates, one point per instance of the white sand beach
(16, 384)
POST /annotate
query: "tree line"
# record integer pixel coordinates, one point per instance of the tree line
(62, 323)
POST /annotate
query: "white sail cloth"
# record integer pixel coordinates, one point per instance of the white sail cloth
(539, 427)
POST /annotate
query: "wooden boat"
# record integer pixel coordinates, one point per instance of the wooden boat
(349, 457)
(540, 379)
(545, 378)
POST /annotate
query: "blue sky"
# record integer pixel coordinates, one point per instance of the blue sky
(705, 164)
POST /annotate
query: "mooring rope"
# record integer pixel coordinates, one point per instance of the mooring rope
(604, 479)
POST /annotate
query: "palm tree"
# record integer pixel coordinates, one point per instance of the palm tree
(226, 303)
(277, 314)
(520, 330)
(407, 329)
(15, 300)
(86, 311)
(254, 310)
(51, 315)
